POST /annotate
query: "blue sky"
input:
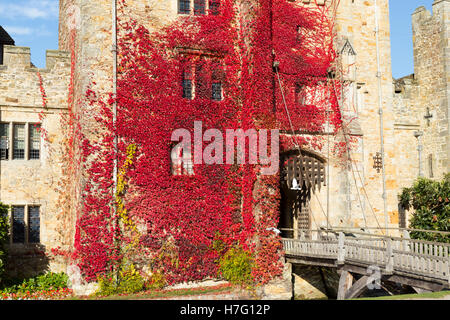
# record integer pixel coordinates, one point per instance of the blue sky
(401, 34)
(34, 24)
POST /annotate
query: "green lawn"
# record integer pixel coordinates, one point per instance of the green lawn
(431, 295)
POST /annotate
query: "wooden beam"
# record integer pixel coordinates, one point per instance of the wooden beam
(345, 283)
(423, 284)
(358, 288)
(317, 262)
(420, 290)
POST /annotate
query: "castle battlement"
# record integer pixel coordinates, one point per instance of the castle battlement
(422, 16)
(20, 82)
(15, 57)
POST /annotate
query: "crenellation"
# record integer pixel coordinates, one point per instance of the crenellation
(16, 57)
(57, 59)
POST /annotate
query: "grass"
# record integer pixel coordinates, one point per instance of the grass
(162, 294)
(428, 295)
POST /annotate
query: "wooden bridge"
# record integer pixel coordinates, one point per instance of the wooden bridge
(372, 259)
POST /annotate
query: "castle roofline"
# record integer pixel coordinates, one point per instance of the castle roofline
(5, 38)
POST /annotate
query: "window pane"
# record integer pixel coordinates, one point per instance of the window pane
(217, 91)
(34, 225)
(19, 141)
(187, 85)
(199, 6)
(35, 141)
(214, 7)
(4, 141)
(18, 232)
(184, 6)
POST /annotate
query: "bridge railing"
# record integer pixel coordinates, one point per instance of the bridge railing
(391, 253)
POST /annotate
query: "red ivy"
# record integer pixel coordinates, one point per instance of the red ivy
(232, 202)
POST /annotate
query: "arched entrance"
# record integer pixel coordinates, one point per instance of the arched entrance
(301, 173)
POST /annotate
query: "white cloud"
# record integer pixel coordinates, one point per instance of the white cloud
(18, 31)
(29, 9)
(41, 31)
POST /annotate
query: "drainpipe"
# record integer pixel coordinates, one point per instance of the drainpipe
(114, 109)
(114, 52)
(380, 105)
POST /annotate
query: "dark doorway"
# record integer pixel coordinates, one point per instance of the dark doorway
(301, 173)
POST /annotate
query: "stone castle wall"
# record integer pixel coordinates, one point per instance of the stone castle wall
(356, 188)
(422, 98)
(355, 22)
(34, 182)
(355, 195)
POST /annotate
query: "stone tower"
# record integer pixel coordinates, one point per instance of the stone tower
(431, 38)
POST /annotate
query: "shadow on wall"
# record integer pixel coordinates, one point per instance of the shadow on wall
(26, 261)
(315, 283)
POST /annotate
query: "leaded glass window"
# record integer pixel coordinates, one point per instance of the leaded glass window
(216, 91)
(184, 6)
(19, 141)
(4, 141)
(34, 224)
(182, 161)
(18, 224)
(187, 85)
(35, 141)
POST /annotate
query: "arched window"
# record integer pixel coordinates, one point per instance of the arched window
(182, 161)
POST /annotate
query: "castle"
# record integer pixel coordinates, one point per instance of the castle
(414, 109)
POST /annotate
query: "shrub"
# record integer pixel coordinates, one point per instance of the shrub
(157, 281)
(128, 280)
(431, 204)
(4, 236)
(45, 282)
(236, 266)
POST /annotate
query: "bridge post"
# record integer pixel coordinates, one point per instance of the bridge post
(407, 237)
(302, 235)
(448, 270)
(389, 256)
(341, 248)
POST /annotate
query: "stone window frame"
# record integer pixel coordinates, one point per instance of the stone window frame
(27, 151)
(27, 225)
(193, 4)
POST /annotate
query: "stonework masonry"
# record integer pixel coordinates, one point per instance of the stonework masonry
(355, 187)
(422, 99)
(28, 182)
